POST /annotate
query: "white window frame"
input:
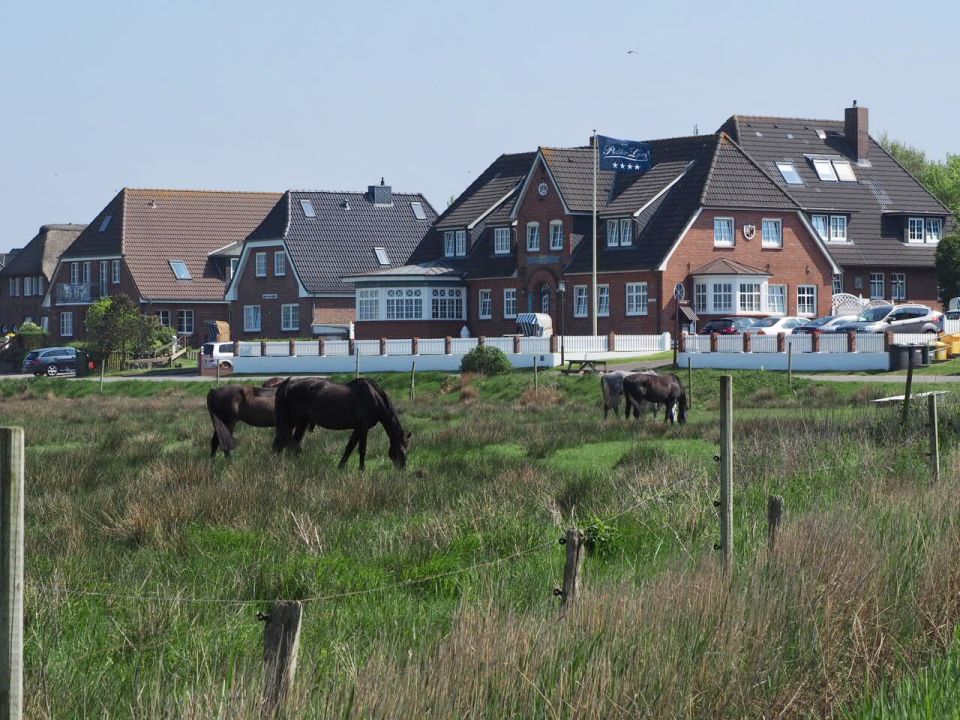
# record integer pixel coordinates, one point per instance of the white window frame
(104, 270)
(443, 299)
(700, 297)
(260, 264)
(837, 283)
(930, 235)
(581, 301)
(28, 286)
(461, 237)
(838, 223)
(726, 289)
(279, 263)
(637, 298)
(188, 328)
(449, 243)
(844, 171)
(501, 241)
(252, 318)
(368, 304)
(163, 317)
(789, 168)
(613, 233)
(13, 287)
(556, 234)
(485, 304)
(85, 272)
(603, 301)
(115, 272)
(66, 324)
(825, 220)
(874, 279)
(723, 222)
(781, 291)
(626, 232)
(916, 230)
(509, 300)
(45, 323)
(533, 237)
(74, 273)
(806, 295)
(290, 317)
(824, 170)
(755, 296)
(771, 242)
(898, 286)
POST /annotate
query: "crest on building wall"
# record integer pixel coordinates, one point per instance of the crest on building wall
(749, 231)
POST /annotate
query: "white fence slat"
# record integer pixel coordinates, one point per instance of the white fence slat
(869, 342)
(643, 343)
(367, 347)
(248, 349)
(763, 343)
(336, 347)
(800, 343)
(501, 343)
(913, 338)
(308, 348)
(432, 346)
(730, 343)
(698, 343)
(277, 349)
(534, 345)
(833, 342)
(399, 347)
(951, 326)
(461, 346)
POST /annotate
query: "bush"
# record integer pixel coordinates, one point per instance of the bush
(486, 360)
(31, 336)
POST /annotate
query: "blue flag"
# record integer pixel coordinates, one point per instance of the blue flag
(623, 155)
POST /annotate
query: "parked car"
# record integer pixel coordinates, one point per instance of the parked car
(776, 325)
(952, 315)
(896, 318)
(217, 353)
(726, 326)
(50, 361)
(826, 324)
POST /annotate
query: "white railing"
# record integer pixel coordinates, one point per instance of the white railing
(367, 347)
(501, 343)
(913, 338)
(646, 343)
(461, 346)
(534, 345)
(585, 343)
(276, 349)
(833, 342)
(432, 346)
(248, 349)
(951, 326)
(399, 347)
(697, 343)
(869, 342)
(307, 348)
(336, 347)
(730, 343)
(799, 343)
(763, 343)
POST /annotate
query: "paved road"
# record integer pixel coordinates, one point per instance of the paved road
(932, 379)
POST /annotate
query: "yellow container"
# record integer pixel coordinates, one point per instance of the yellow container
(953, 343)
(940, 352)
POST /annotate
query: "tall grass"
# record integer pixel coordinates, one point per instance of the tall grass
(146, 562)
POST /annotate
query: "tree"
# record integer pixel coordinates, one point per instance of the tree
(114, 324)
(948, 267)
(942, 179)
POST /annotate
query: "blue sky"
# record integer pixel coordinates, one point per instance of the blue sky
(309, 95)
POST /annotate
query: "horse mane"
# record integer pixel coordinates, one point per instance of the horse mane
(281, 416)
(389, 417)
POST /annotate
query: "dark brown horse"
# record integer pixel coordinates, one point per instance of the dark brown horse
(357, 405)
(663, 390)
(239, 403)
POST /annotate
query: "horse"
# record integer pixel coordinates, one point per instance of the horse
(357, 405)
(660, 389)
(244, 403)
(611, 388)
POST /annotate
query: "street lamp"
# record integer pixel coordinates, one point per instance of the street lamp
(561, 289)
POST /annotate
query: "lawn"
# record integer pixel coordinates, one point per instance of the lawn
(429, 593)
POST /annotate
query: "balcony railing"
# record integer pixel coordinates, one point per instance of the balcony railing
(76, 292)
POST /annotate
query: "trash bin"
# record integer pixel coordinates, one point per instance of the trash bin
(953, 343)
(940, 351)
(924, 355)
(899, 357)
(83, 363)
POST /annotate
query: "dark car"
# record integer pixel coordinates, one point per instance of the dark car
(50, 361)
(726, 326)
(825, 324)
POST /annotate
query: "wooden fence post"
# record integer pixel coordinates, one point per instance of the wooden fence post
(11, 573)
(934, 437)
(481, 341)
(774, 516)
(263, 348)
(714, 342)
(281, 644)
(383, 346)
(611, 341)
(781, 342)
(571, 570)
(815, 341)
(726, 470)
(415, 346)
(413, 379)
(320, 348)
(851, 341)
(292, 348)
(448, 345)
(908, 389)
(747, 340)
(516, 344)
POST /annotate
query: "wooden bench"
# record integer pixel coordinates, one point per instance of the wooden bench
(578, 367)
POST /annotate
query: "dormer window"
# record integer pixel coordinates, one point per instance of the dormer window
(934, 230)
(824, 170)
(180, 270)
(501, 241)
(105, 223)
(418, 212)
(308, 210)
(454, 243)
(790, 174)
(838, 228)
(915, 230)
(619, 232)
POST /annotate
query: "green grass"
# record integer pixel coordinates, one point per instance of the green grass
(147, 562)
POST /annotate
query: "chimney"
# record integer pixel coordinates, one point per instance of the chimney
(856, 130)
(381, 194)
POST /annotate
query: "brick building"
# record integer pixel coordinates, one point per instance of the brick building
(288, 281)
(746, 221)
(26, 275)
(172, 251)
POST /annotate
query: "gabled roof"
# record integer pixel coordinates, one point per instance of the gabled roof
(340, 239)
(725, 266)
(492, 191)
(152, 227)
(883, 186)
(40, 255)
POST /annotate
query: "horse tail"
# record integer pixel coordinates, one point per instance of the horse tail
(682, 399)
(224, 437)
(281, 417)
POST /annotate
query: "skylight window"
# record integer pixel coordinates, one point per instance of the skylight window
(844, 171)
(418, 212)
(789, 172)
(179, 268)
(308, 210)
(105, 223)
(381, 256)
(824, 170)
(821, 134)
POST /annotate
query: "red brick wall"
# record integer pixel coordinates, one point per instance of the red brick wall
(921, 283)
(250, 291)
(618, 320)
(798, 262)
(403, 329)
(14, 309)
(334, 310)
(203, 313)
(126, 286)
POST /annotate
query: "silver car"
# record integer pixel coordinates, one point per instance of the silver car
(896, 318)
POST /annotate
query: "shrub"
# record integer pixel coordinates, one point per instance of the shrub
(486, 360)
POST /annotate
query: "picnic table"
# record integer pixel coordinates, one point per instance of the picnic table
(577, 367)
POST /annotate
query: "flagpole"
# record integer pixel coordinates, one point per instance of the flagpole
(594, 283)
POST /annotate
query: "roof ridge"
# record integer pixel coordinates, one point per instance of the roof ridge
(123, 225)
(351, 192)
(201, 191)
(785, 117)
(706, 180)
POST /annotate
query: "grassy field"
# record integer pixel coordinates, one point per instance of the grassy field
(429, 593)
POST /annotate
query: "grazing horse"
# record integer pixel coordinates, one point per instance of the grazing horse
(611, 387)
(357, 405)
(660, 389)
(239, 403)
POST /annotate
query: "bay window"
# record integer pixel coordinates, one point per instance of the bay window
(404, 304)
(722, 297)
(368, 304)
(446, 303)
(700, 297)
(749, 297)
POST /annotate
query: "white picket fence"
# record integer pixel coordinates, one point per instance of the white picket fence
(803, 343)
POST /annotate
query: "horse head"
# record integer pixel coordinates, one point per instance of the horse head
(399, 449)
